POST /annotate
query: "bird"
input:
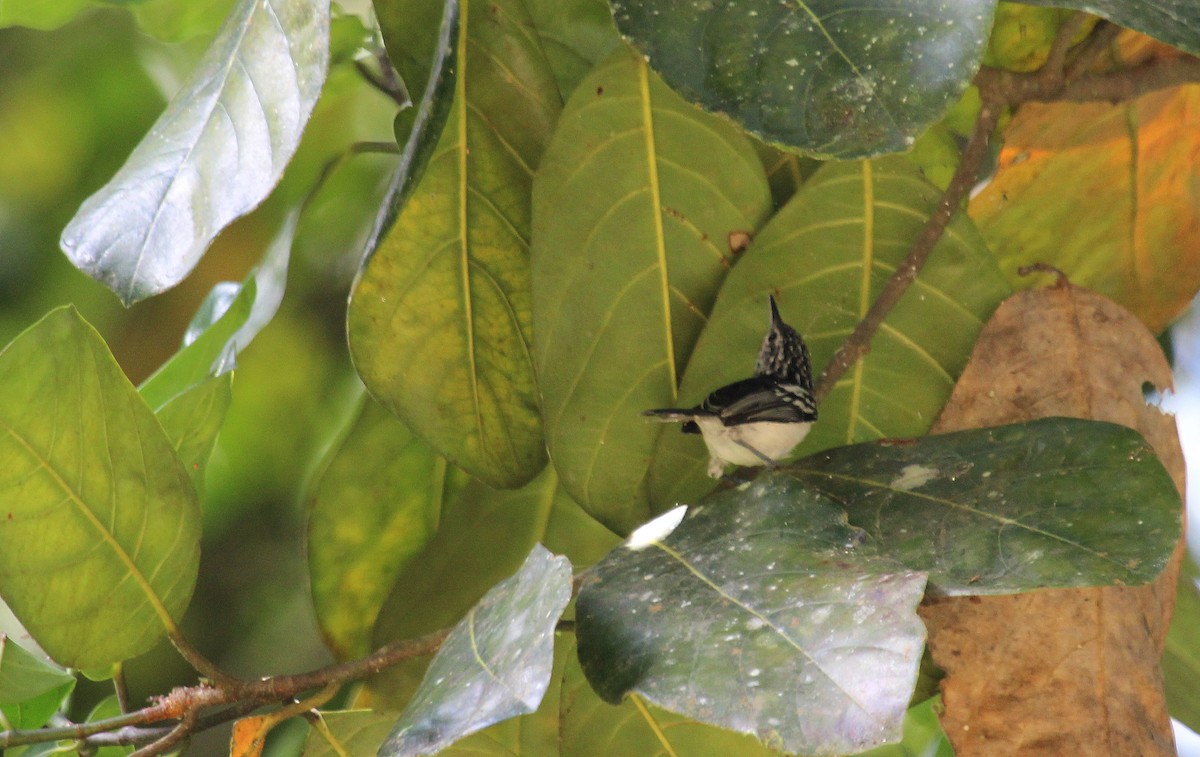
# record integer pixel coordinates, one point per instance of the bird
(761, 419)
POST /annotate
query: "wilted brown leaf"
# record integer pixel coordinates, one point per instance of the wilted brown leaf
(1108, 193)
(1059, 671)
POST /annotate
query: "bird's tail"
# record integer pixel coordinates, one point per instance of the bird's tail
(670, 414)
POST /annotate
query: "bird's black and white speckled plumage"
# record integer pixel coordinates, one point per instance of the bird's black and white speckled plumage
(758, 420)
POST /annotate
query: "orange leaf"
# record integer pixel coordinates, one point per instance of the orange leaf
(1110, 194)
(249, 735)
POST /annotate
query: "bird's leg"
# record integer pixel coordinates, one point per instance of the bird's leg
(766, 460)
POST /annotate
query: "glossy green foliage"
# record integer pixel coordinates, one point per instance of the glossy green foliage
(1176, 22)
(825, 257)
(762, 612)
(633, 210)
(99, 526)
(494, 665)
(785, 607)
(214, 155)
(822, 77)
(1056, 502)
(439, 321)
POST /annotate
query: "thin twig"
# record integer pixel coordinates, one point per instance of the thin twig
(858, 343)
(1098, 42)
(1055, 67)
(198, 661)
(173, 738)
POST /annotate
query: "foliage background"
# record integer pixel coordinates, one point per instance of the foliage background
(73, 103)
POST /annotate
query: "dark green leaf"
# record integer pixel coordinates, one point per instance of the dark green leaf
(439, 321)
(1056, 502)
(99, 526)
(374, 507)
(633, 209)
(427, 64)
(1176, 22)
(826, 256)
(31, 689)
(494, 665)
(826, 78)
(762, 612)
(213, 155)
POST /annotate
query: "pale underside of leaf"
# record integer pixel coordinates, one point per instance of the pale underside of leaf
(214, 154)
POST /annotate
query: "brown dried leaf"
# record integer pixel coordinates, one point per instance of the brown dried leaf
(1059, 671)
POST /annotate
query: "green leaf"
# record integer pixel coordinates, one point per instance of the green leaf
(439, 321)
(174, 21)
(484, 536)
(923, 735)
(494, 665)
(109, 707)
(1022, 36)
(99, 526)
(1181, 657)
(39, 14)
(571, 532)
(826, 256)
(1057, 502)
(192, 421)
(426, 64)
(374, 507)
(633, 209)
(357, 733)
(762, 612)
(592, 727)
(825, 78)
(575, 35)
(31, 689)
(1176, 22)
(213, 155)
(225, 324)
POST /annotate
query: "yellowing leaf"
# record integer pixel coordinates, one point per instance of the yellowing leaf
(99, 526)
(1110, 194)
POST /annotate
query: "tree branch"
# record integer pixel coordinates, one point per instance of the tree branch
(1000, 90)
(965, 176)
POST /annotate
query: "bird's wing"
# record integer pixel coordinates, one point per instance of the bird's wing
(754, 400)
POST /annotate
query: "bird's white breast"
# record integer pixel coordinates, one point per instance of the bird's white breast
(731, 444)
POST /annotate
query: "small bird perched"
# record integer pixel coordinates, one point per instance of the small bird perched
(758, 420)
